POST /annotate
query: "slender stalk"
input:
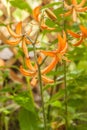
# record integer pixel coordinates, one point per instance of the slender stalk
(51, 94)
(41, 90)
(65, 86)
(43, 107)
(29, 89)
(66, 95)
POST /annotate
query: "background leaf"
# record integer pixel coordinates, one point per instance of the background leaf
(27, 120)
(21, 4)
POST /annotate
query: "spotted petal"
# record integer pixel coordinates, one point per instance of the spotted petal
(13, 43)
(73, 34)
(19, 28)
(50, 66)
(36, 13)
(26, 73)
(12, 32)
(79, 42)
(29, 65)
(47, 80)
(48, 53)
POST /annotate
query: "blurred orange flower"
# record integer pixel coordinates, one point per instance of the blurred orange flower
(33, 72)
(19, 36)
(74, 8)
(82, 35)
(57, 54)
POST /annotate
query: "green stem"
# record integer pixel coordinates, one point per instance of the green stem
(51, 94)
(41, 88)
(42, 99)
(29, 89)
(65, 86)
(66, 95)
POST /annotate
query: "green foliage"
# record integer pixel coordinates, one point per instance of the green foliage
(24, 100)
(28, 120)
(17, 96)
(21, 4)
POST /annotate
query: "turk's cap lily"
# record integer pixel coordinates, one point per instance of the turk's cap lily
(61, 46)
(82, 35)
(74, 8)
(33, 72)
(17, 34)
(57, 54)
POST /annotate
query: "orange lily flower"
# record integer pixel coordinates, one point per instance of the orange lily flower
(57, 54)
(37, 16)
(74, 8)
(82, 35)
(34, 72)
(36, 13)
(19, 36)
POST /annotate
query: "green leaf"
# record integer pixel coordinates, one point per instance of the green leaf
(57, 96)
(57, 104)
(25, 100)
(2, 24)
(21, 4)
(80, 116)
(27, 120)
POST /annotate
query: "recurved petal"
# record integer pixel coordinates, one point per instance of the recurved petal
(50, 66)
(19, 28)
(24, 47)
(45, 27)
(73, 34)
(26, 73)
(36, 13)
(61, 42)
(63, 51)
(34, 82)
(79, 42)
(83, 29)
(82, 9)
(48, 53)
(67, 13)
(74, 15)
(74, 2)
(13, 43)
(47, 80)
(82, 3)
(12, 32)
(29, 65)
